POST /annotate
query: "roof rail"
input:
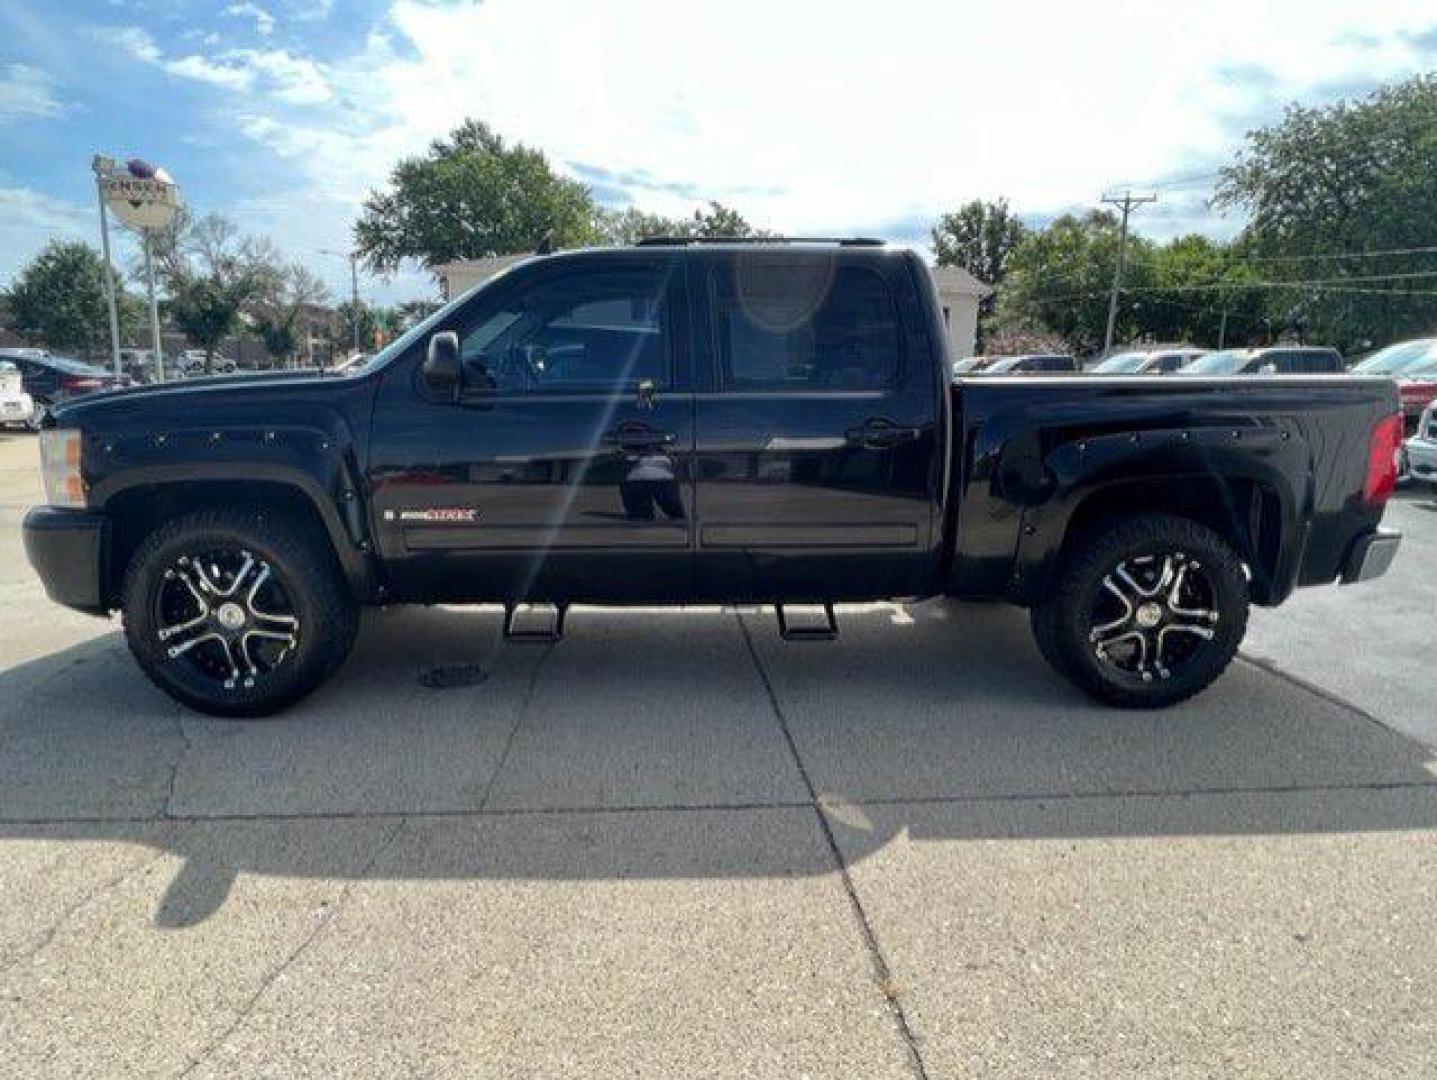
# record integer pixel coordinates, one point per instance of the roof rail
(681, 241)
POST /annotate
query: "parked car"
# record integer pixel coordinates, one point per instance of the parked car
(1419, 453)
(1417, 385)
(1155, 360)
(54, 380)
(681, 422)
(971, 365)
(1392, 359)
(1273, 360)
(1032, 364)
(16, 406)
(190, 364)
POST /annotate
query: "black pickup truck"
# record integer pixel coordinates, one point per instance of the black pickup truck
(686, 422)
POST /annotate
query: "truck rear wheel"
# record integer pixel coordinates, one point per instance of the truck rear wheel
(1145, 612)
(237, 611)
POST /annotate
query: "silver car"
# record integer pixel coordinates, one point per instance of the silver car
(1419, 453)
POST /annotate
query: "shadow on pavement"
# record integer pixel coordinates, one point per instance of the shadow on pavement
(657, 745)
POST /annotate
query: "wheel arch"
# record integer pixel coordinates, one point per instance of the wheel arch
(136, 510)
(1257, 516)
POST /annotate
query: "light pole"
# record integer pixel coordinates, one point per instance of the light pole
(353, 290)
(100, 166)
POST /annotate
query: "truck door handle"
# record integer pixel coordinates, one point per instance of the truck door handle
(636, 435)
(879, 434)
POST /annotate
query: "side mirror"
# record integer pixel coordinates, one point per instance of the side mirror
(441, 368)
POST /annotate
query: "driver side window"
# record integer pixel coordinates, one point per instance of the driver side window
(591, 332)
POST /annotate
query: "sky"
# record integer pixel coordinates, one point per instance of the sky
(830, 117)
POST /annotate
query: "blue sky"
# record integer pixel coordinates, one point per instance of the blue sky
(815, 117)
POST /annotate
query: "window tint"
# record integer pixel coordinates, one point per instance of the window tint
(581, 333)
(805, 326)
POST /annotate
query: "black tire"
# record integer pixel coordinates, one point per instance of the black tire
(304, 586)
(1169, 660)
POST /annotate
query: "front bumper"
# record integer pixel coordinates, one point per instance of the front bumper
(67, 549)
(1421, 455)
(1371, 555)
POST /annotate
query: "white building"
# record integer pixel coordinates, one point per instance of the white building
(958, 292)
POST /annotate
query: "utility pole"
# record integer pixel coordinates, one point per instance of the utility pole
(1127, 204)
(353, 258)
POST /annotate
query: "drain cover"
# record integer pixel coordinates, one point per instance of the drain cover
(452, 676)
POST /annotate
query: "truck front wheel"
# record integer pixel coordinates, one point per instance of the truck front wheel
(237, 611)
(1145, 612)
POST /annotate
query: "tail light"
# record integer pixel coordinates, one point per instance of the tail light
(81, 384)
(1382, 451)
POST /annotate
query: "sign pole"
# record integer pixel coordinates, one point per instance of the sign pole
(154, 308)
(96, 166)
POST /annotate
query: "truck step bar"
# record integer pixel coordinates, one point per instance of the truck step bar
(534, 631)
(825, 631)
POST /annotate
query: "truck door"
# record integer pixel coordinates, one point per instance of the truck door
(562, 470)
(816, 427)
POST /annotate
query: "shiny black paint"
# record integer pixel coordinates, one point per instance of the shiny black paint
(694, 493)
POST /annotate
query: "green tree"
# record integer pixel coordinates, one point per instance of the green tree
(621, 228)
(470, 196)
(213, 276)
(58, 300)
(1058, 279)
(717, 220)
(282, 314)
(1198, 292)
(979, 236)
(1359, 175)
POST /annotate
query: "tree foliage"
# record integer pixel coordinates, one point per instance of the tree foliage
(213, 274)
(1355, 176)
(58, 300)
(470, 196)
(713, 220)
(980, 237)
(281, 313)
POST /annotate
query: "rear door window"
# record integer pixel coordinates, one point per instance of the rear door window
(804, 326)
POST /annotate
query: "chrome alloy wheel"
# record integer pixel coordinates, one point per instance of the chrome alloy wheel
(1152, 615)
(225, 614)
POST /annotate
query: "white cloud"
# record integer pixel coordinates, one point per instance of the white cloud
(811, 115)
(132, 40)
(277, 73)
(263, 20)
(29, 218)
(27, 93)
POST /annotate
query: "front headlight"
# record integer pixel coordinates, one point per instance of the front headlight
(60, 467)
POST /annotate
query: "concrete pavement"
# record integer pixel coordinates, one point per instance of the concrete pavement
(672, 845)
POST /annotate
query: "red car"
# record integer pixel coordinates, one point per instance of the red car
(1418, 387)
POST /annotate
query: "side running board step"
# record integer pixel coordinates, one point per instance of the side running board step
(526, 627)
(825, 631)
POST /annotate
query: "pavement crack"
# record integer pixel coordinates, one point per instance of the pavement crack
(320, 925)
(110, 884)
(167, 807)
(883, 974)
(518, 723)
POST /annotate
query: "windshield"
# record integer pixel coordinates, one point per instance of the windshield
(973, 363)
(1395, 358)
(1122, 362)
(73, 367)
(1227, 362)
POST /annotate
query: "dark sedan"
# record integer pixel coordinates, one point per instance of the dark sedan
(54, 380)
